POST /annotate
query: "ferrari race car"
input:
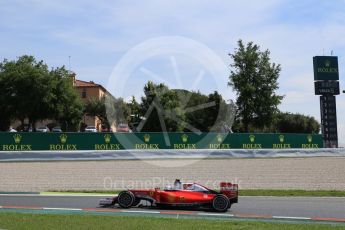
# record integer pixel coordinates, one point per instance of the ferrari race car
(187, 195)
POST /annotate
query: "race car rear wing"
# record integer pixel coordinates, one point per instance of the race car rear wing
(227, 186)
(230, 190)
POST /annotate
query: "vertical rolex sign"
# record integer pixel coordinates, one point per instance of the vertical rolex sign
(326, 68)
(326, 76)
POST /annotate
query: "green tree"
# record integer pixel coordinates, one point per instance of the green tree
(122, 111)
(108, 109)
(30, 90)
(196, 117)
(134, 110)
(7, 111)
(161, 109)
(29, 87)
(97, 107)
(296, 123)
(254, 78)
(67, 106)
(7, 99)
(211, 112)
(134, 106)
(226, 117)
(187, 111)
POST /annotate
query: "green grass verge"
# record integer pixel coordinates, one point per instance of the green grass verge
(48, 221)
(244, 192)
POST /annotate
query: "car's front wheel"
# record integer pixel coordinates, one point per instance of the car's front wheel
(220, 203)
(126, 199)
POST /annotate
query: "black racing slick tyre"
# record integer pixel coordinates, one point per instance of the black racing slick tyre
(126, 199)
(220, 203)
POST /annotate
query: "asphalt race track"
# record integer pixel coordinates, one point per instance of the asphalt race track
(299, 208)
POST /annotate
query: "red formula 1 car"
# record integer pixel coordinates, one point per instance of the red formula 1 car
(186, 195)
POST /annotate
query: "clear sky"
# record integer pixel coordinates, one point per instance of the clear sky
(97, 34)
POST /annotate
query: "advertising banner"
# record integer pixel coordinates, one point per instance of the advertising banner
(326, 68)
(151, 141)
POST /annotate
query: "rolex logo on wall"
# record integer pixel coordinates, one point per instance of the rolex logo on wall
(309, 138)
(252, 138)
(281, 138)
(184, 138)
(107, 138)
(63, 138)
(147, 137)
(219, 138)
(17, 138)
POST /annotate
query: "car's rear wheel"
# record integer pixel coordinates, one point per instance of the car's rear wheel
(126, 199)
(220, 203)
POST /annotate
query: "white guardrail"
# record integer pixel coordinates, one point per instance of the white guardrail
(6, 156)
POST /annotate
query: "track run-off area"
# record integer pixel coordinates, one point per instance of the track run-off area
(309, 173)
(282, 209)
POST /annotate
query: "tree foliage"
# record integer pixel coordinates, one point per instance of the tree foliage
(68, 108)
(254, 78)
(30, 90)
(160, 107)
(197, 118)
(296, 123)
(182, 110)
(108, 109)
(207, 112)
(134, 113)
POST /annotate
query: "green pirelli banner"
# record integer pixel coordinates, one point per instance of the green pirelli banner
(118, 141)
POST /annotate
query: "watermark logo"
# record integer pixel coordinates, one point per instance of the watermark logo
(177, 51)
(115, 183)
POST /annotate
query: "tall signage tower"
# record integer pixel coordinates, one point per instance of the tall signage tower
(326, 82)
